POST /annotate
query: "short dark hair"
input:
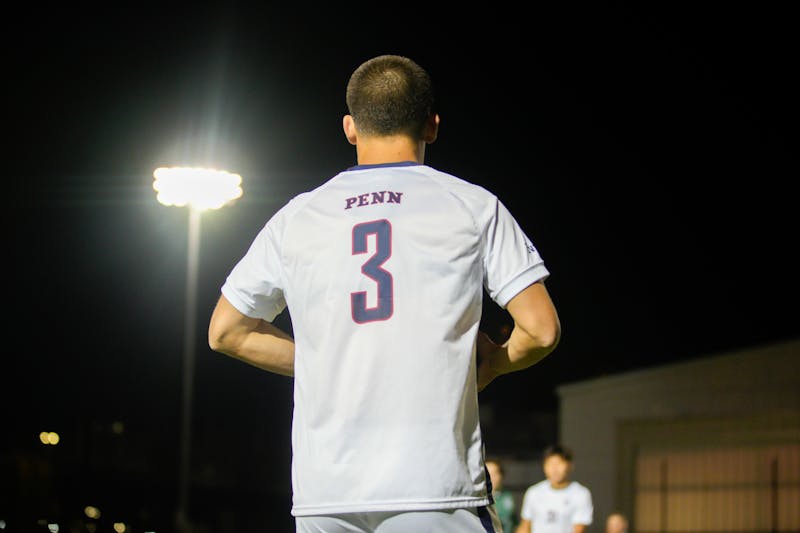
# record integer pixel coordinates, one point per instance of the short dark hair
(557, 449)
(390, 95)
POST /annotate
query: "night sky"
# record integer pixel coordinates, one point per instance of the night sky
(649, 153)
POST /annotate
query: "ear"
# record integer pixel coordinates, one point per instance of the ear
(431, 129)
(349, 127)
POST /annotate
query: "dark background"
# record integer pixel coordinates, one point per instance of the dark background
(649, 153)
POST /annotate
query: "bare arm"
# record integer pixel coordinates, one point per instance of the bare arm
(251, 340)
(536, 333)
(524, 526)
(579, 528)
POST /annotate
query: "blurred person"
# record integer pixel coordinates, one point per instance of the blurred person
(617, 522)
(556, 504)
(383, 269)
(503, 499)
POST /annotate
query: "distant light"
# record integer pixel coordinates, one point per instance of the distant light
(200, 188)
(53, 527)
(91, 511)
(2, 524)
(118, 428)
(120, 527)
(49, 437)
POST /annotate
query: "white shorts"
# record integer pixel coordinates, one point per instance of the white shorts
(469, 520)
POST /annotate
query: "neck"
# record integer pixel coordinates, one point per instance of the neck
(392, 149)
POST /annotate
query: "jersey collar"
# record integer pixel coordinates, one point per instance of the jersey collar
(384, 165)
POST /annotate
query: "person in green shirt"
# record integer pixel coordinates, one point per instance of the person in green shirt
(504, 502)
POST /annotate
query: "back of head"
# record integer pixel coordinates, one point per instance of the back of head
(390, 95)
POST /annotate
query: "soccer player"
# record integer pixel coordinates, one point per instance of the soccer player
(383, 269)
(503, 500)
(556, 504)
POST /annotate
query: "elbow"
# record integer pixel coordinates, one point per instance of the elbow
(550, 336)
(217, 341)
(541, 338)
(214, 343)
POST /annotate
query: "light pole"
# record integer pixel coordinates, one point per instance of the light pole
(199, 189)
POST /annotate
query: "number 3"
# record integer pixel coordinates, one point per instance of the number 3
(382, 230)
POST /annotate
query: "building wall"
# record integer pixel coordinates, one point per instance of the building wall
(596, 416)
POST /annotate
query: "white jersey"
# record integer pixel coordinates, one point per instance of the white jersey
(557, 510)
(383, 268)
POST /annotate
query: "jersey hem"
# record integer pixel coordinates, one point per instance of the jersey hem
(432, 505)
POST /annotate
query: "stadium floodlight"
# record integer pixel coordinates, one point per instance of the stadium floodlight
(199, 189)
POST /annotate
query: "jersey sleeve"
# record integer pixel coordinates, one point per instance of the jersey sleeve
(511, 261)
(526, 510)
(254, 286)
(584, 509)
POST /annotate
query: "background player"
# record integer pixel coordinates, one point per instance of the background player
(504, 502)
(556, 504)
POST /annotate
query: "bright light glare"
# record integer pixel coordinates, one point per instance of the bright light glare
(91, 511)
(120, 527)
(49, 437)
(201, 188)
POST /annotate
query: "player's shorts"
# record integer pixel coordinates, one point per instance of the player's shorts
(470, 520)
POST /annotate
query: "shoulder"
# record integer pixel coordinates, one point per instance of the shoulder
(298, 202)
(539, 487)
(578, 487)
(483, 205)
(456, 184)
